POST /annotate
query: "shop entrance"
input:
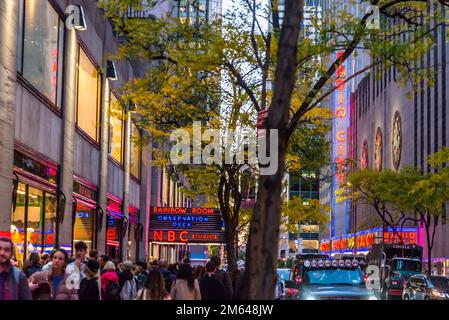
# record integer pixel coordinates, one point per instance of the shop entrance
(33, 222)
(84, 225)
(113, 237)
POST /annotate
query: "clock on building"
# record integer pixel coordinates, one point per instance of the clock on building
(397, 140)
(378, 150)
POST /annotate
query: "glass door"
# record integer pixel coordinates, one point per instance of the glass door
(83, 229)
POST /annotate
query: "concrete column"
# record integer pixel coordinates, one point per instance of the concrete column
(103, 185)
(68, 146)
(126, 177)
(9, 14)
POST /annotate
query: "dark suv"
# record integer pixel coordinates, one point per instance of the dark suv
(422, 287)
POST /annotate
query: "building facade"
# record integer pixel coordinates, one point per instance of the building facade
(393, 131)
(70, 166)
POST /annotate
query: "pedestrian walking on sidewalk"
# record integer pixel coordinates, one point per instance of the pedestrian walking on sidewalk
(55, 283)
(211, 288)
(154, 287)
(185, 287)
(13, 282)
(110, 288)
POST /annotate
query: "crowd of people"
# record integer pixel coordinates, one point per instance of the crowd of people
(92, 277)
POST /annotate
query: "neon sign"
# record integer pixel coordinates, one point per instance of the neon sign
(186, 236)
(197, 219)
(340, 136)
(364, 240)
(176, 210)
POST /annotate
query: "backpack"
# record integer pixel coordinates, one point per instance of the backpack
(141, 278)
(111, 291)
(129, 290)
(16, 273)
(169, 278)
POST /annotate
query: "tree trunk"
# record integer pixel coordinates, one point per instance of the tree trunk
(231, 252)
(429, 247)
(263, 242)
(430, 239)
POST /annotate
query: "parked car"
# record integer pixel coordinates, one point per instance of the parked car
(423, 287)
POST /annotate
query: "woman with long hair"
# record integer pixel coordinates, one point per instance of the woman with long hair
(185, 287)
(54, 284)
(32, 264)
(153, 287)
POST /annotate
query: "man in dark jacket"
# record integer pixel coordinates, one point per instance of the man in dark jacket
(13, 282)
(211, 288)
(169, 276)
(223, 277)
(126, 274)
(89, 286)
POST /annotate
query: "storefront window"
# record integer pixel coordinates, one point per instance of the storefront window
(116, 129)
(41, 48)
(51, 205)
(83, 228)
(89, 97)
(18, 223)
(34, 221)
(113, 236)
(135, 152)
(30, 221)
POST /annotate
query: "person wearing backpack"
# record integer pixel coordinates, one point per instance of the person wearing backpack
(110, 288)
(13, 282)
(128, 282)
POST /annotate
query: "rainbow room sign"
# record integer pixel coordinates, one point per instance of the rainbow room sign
(185, 225)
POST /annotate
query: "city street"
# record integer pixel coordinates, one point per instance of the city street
(224, 150)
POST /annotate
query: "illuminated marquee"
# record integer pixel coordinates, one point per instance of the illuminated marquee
(180, 210)
(408, 237)
(185, 225)
(364, 240)
(186, 236)
(198, 219)
(325, 246)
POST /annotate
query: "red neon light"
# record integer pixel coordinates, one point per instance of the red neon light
(408, 237)
(113, 243)
(111, 234)
(50, 238)
(5, 234)
(181, 236)
(177, 210)
(157, 235)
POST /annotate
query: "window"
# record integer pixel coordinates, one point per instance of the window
(135, 152)
(116, 129)
(83, 228)
(34, 216)
(40, 49)
(89, 96)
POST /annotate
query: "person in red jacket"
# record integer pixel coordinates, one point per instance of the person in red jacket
(110, 289)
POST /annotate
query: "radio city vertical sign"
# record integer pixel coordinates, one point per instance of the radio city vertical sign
(185, 225)
(340, 135)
